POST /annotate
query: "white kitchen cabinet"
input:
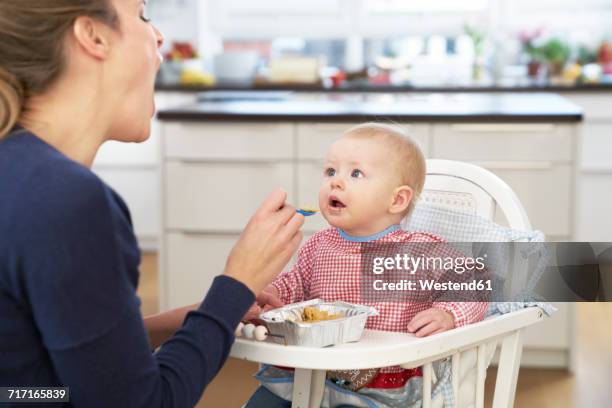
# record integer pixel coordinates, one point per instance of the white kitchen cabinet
(220, 196)
(545, 190)
(594, 167)
(192, 261)
(596, 146)
(594, 218)
(220, 141)
(504, 142)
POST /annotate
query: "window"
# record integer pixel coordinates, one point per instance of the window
(422, 6)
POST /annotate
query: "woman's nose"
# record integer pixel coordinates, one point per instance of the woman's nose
(159, 36)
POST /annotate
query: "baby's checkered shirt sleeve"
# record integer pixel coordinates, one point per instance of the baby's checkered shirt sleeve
(464, 312)
(293, 284)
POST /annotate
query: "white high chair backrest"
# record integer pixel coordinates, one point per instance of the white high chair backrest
(471, 189)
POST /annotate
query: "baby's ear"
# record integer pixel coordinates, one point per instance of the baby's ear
(401, 199)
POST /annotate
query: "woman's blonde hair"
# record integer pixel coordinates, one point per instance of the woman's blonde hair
(32, 34)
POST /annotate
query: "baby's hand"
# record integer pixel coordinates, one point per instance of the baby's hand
(431, 321)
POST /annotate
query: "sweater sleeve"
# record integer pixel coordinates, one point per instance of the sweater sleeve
(80, 253)
(117, 369)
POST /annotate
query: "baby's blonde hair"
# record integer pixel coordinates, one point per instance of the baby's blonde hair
(406, 154)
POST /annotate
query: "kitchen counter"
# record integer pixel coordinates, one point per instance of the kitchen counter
(524, 86)
(358, 107)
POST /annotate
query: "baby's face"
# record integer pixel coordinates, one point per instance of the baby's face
(358, 186)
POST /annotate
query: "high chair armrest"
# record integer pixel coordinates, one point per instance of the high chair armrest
(382, 349)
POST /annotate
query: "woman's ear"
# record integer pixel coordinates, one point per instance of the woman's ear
(92, 36)
(401, 199)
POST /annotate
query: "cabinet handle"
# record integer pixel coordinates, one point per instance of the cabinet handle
(335, 128)
(502, 127)
(338, 128)
(518, 165)
(234, 127)
(260, 162)
(205, 232)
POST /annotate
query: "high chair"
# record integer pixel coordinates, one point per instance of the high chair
(457, 186)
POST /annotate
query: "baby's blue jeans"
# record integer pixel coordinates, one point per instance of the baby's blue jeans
(263, 398)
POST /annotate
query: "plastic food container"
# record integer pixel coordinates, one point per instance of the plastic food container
(286, 325)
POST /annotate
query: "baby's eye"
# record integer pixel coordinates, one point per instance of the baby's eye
(357, 173)
(330, 172)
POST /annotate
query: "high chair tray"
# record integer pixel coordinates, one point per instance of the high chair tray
(381, 349)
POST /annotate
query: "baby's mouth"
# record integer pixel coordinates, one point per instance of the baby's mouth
(335, 203)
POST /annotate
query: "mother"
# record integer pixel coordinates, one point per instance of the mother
(74, 74)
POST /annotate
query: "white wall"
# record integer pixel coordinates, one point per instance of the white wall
(176, 19)
(296, 17)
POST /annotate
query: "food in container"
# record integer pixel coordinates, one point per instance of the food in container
(315, 323)
(312, 314)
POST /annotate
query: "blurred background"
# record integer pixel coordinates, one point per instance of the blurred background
(390, 42)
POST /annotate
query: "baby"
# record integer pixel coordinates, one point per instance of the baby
(372, 178)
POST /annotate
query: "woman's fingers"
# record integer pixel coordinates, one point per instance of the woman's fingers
(295, 243)
(291, 227)
(265, 299)
(253, 313)
(267, 243)
(284, 214)
(274, 202)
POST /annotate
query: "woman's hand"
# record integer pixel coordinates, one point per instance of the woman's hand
(431, 321)
(264, 302)
(266, 244)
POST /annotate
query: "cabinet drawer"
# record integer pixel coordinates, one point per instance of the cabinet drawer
(546, 191)
(596, 146)
(220, 196)
(503, 141)
(228, 141)
(594, 222)
(314, 139)
(191, 263)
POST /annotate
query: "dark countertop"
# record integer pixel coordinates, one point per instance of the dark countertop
(339, 107)
(467, 88)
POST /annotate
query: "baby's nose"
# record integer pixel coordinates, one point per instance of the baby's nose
(337, 182)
